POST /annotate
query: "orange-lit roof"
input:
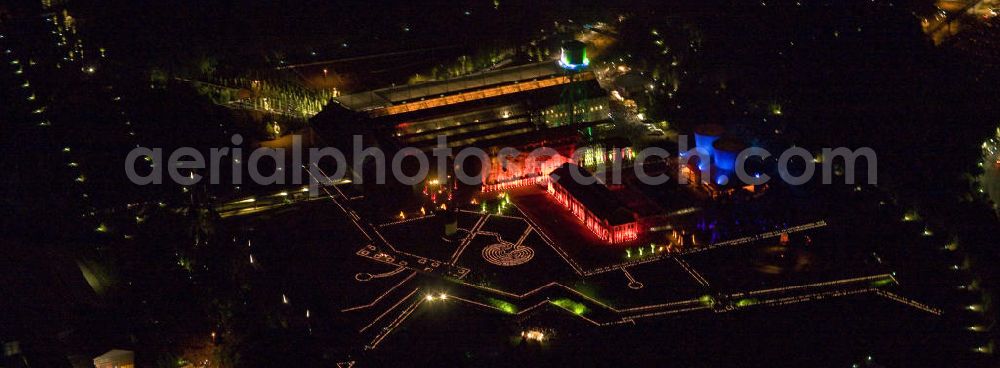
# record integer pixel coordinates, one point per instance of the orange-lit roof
(479, 94)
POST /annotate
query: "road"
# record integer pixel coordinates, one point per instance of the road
(955, 15)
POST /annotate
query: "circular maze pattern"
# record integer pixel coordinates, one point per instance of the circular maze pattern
(507, 254)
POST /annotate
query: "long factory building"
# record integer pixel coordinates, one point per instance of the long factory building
(482, 109)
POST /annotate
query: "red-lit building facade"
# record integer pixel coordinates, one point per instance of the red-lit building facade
(593, 204)
(522, 170)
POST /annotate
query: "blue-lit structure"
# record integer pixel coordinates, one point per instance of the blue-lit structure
(705, 136)
(716, 172)
(724, 153)
(574, 55)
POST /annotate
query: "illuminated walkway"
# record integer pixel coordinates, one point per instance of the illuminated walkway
(601, 314)
(389, 310)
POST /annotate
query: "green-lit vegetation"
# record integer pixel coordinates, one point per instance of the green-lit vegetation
(505, 306)
(465, 65)
(882, 282)
(571, 305)
(500, 204)
(272, 95)
(707, 300)
(644, 251)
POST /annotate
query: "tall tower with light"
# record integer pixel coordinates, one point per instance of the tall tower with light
(573, 60)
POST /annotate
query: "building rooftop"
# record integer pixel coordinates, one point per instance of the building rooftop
(596, 197)
(381, 99)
